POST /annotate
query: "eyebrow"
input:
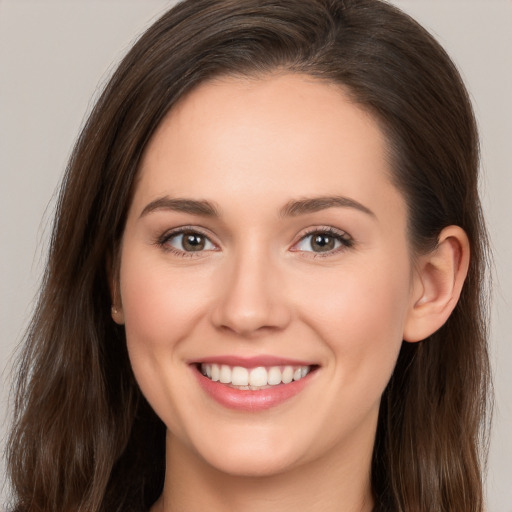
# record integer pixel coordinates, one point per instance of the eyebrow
(315, 204)
(192, 206)
(293, 208)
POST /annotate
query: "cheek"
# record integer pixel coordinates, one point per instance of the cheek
(160, 304)
(161, 307)
(360, 313)
(359, 299)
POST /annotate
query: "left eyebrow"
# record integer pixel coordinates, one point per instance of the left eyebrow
(315, 204)
(192, 206)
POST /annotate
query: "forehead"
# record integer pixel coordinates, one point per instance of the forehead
(276, 137)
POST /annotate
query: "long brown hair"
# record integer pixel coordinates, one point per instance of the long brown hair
(84, 438)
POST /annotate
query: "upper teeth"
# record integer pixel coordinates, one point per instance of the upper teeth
(254, 377)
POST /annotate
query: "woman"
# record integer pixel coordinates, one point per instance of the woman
(265, 275)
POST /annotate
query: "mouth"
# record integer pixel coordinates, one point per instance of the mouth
(253, 385)
(253, 379)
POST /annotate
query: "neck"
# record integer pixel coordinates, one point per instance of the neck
(192, 485)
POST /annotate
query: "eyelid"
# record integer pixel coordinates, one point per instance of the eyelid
(180, 230)
(342, 236)
(345, 239)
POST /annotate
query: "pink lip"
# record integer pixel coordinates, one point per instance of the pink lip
(253, 362)
(248, 400)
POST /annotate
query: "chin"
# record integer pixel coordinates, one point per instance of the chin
(250, 456)
(252, 465)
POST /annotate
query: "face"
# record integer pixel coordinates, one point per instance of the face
(265, 275)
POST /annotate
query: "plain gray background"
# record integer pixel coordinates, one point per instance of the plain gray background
(54, 58)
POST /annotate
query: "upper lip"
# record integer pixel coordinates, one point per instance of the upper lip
(252, 362)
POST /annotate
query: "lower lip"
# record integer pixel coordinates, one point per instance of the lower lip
(250, 400)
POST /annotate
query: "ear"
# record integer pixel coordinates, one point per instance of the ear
(113, 282)
(439, 277)
(117, 314)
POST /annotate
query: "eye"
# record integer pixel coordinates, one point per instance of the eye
(323, 241)
(187, 241)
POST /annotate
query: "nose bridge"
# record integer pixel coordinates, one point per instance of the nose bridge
(251, 296)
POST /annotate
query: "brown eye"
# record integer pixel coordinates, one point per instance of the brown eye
(193, 242)
(189, 241)
(324, 242)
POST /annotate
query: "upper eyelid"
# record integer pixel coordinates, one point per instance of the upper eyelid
(342, 234)
(163, 242)
(346, 239)
(187, 229)
(323, 229)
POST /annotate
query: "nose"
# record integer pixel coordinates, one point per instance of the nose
(252, 297)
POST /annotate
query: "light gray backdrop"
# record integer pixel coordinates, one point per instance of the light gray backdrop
(56, 54)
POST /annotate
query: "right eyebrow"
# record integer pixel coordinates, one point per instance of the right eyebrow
(315, 204)
(192, 206)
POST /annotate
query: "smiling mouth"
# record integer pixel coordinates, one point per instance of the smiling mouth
(261, 377)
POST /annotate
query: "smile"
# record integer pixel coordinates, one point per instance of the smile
(253, 385)
(253, 378)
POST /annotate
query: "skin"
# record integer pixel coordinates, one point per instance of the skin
(250, 147)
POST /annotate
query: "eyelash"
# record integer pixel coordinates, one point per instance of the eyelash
(345, 240)
(163, 241)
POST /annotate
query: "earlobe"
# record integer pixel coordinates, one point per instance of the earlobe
(116, 311)
(117, 308)
(438, 283)
(117, 314)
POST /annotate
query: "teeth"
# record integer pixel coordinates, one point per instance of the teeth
(287, 374)
(258, 377)
(239, 376)
(254, 378)
(274, 376)
(225, 374)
